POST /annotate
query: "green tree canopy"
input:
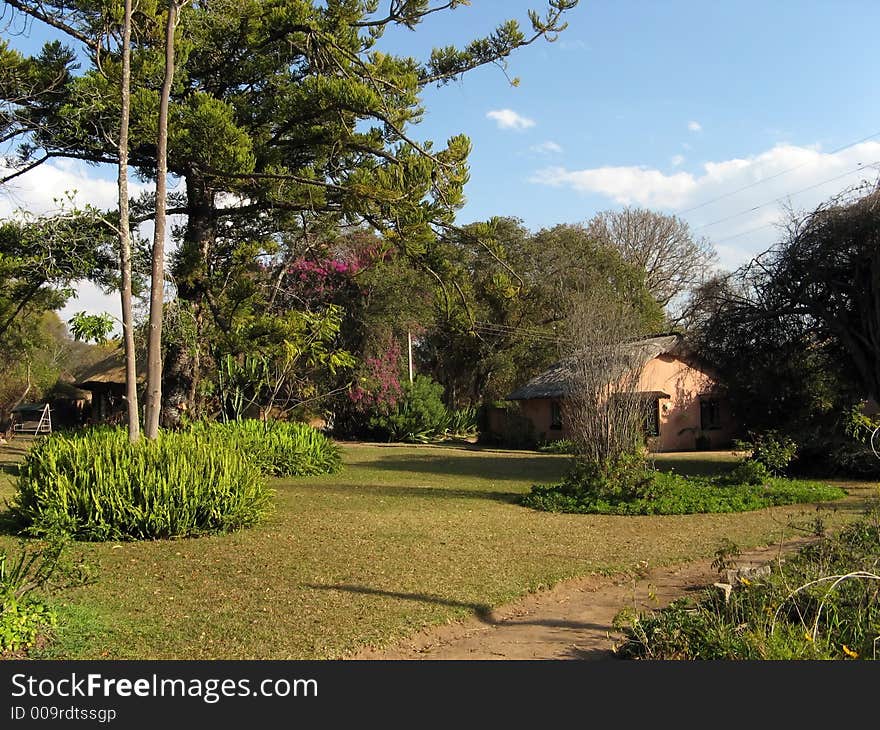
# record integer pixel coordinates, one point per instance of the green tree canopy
(507, 315)
(283, 113)
(41, 257)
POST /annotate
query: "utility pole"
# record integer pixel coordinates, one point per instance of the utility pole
(409, 350)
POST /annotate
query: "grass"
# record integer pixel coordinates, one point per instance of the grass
(404, 537)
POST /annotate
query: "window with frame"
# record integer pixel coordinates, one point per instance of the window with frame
(710, 414)
(555, 415)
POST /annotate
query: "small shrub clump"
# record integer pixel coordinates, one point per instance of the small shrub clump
(277, 448)
(773, 450)
(820, 604)
(23, 615)
(95, 485)
(749, 472)
(557, 446)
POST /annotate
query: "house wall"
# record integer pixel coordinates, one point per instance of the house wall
(679, 414)
(537, 410)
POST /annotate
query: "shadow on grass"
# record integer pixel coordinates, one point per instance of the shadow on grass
(9, 460)
(481, 611)
(535, 468)
(694, 466)
(407, 491)
(10, 526)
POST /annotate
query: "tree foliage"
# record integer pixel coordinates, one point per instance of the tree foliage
(796, 332)
(509, 314)
(284, 116)
(41, 257)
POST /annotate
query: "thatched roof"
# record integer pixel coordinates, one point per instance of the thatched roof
(109, 371)
(553, 382)
(66, 389)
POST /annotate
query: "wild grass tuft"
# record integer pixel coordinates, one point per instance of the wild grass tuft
(277, 448)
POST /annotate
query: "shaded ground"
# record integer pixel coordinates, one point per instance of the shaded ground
(571, 621)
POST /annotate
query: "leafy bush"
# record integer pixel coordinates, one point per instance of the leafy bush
(772, 449)
(819, 604)
(749, 472)
(650, 492)
(858, 426)
(277, 448)
(419, 414)
(853, 453)
(852, 460)
(23, 616)
(95, 485)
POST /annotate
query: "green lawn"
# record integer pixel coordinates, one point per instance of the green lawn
(402, 538)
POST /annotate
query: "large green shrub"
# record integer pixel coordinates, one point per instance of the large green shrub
(95, 485)
(772, 449)
(277, 448)
(418, 415)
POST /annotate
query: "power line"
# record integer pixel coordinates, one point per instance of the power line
(482, 329)
(782, 197)
(490, 328)
(516, 328)
(773, 177)
(744, 233)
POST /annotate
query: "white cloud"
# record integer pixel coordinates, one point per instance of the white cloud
(40, 189)
(677, 160)
(509, 119)
(732, 202)
(626, 185)
(695, 126)
(546, 148)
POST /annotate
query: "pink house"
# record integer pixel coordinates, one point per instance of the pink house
(687, 408)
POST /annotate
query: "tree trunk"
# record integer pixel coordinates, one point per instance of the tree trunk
(131, 396)
(157, 280)
(184, 361)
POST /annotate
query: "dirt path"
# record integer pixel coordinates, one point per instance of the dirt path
(571, 621)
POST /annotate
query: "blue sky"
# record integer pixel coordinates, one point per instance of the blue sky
(665, 105)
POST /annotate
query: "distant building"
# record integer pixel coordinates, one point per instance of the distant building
(106, 382)
(686, 407)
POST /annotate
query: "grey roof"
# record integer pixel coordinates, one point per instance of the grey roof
(553, 382)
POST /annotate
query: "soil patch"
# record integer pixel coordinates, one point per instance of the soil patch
(573, 620)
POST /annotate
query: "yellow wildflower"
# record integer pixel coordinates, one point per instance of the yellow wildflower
(808, 637)
(849, 652)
